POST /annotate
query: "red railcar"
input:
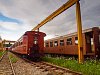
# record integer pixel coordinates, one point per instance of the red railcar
(68, 44)
(31, 44)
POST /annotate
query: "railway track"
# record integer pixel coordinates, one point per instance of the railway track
(56, 70)
(6, 67)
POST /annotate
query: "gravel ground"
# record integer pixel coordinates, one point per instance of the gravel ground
(25, 68)
(5, 67)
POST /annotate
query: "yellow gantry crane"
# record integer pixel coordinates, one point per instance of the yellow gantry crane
(78, 19)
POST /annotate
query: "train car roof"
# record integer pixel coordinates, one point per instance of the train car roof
(25, 34)
(72, 34)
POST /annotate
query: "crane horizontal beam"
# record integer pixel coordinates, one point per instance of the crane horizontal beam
(56, 13)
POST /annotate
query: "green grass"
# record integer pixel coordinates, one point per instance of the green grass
(13, 59)
(90, 67)
(2, 52)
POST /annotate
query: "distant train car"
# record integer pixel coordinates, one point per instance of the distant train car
(68, 44)
(30, 44)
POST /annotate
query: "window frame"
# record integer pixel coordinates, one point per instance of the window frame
(51, 43)
(61, 42)
(76, 40)
(55, 43)
(69, 41)
(46, 44)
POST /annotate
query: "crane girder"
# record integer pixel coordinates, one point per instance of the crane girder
(56, 13)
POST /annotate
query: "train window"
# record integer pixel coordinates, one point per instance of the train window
(51, 44)
(35, 40)
(61, 42)
(91, 41)
(21, 43)
(69, 41)
(47, 44)
(56, 43)
(88, 39)
(76, 40)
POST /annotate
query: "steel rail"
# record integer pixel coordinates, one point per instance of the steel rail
(42, 64)
(11, 66)
(62, 68)
(10, 63)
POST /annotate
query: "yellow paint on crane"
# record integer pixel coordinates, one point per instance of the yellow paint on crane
(79, 29)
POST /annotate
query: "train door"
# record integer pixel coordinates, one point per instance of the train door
(89, 42)
(24, 42)
(36, 43)
(35, 47)
(35, 39)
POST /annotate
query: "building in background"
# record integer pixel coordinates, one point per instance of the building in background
(7, 44)
(1, 44)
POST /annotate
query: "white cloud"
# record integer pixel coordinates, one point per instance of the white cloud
(26, 10)
(12, 30)
(10, 25)
(32, 12)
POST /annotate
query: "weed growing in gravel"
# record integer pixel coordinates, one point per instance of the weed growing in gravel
(90, 67)
(2, 52)
(13, 59)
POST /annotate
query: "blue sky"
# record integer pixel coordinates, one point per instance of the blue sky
(8, 19)
(18, 16)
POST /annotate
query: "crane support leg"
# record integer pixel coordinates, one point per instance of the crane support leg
(79, 29)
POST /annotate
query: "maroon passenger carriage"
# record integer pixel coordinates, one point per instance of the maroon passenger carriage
(30, 44)
(68, 44)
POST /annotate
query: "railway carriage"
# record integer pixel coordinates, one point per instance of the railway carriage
(30, 44)
(68, 44)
